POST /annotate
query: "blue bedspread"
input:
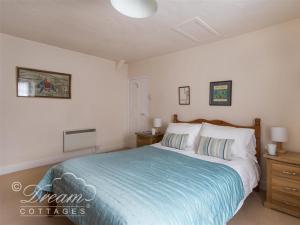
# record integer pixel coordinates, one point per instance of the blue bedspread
(149, 186)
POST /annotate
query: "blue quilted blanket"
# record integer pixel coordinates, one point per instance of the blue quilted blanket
(148, 186)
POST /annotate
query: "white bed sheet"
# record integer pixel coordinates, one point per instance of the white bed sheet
(247, 169)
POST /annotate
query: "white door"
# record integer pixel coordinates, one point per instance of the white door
(138, 104)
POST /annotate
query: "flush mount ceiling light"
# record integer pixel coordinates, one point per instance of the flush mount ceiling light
(135, 8)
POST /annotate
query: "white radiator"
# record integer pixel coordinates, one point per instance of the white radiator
(79, 139)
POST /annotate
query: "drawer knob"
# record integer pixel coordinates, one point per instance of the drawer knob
(290, 204)
(289, 173)
(291, 189)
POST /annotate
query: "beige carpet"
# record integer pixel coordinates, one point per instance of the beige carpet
(252, 213)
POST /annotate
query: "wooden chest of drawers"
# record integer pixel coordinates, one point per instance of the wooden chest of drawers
(147, 139)
(283, 183)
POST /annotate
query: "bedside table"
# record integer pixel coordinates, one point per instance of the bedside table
(147, 138)
(283, 182)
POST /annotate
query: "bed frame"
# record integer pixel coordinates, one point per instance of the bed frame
(255, 126)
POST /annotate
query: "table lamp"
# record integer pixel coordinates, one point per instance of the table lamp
(157, 124)
(279, 135)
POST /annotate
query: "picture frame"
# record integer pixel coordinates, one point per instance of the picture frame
(220, 93)
(184, 95)
(35, 83)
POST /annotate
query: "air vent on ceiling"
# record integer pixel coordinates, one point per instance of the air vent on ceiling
(197, 30)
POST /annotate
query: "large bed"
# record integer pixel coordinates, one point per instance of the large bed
(155, 185)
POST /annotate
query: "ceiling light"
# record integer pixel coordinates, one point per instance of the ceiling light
(135, 8)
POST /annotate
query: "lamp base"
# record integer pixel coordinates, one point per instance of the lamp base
(280, 149)
(156, 131)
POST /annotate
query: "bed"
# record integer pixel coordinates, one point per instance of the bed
(154, 185)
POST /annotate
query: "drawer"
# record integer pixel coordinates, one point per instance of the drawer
(286, 171)
(143, 141)
(286, 201)
(288, 186)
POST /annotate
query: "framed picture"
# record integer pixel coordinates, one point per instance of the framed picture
(220, 93)
(184, 95)
(43, 84)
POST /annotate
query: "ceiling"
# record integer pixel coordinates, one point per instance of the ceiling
(94, 27)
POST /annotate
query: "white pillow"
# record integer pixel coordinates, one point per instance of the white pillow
(193, 130)
(244, 139)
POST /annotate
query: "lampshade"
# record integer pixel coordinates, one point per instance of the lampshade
(135, 8)
(279, 134)
(157, 122)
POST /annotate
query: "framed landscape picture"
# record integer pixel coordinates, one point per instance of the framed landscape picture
(220, 93)
(44, 84)
(184, 95)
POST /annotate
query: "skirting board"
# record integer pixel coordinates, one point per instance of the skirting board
(56, 159)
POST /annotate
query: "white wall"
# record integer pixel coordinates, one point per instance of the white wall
(32, 127)
(264, 67)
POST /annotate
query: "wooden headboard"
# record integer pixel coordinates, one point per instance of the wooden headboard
(255, 126)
